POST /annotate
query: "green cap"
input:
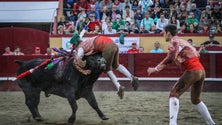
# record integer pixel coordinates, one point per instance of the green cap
(75, 39)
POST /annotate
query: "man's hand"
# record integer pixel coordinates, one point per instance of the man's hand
(87, 72)
(151, 70)
(81, 63)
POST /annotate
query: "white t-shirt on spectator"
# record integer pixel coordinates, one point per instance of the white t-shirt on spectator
(106, 31)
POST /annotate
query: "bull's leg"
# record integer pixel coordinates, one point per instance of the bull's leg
(32, 97)
(73, 104)
(90, 97)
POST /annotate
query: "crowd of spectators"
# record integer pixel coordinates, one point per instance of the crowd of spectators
(140, 16)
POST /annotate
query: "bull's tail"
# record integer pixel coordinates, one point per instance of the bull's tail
(20, 62)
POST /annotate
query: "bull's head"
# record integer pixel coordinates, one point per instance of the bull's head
(96, 62)
(102, 63)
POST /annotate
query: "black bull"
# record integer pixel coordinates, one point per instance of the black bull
(64, 81)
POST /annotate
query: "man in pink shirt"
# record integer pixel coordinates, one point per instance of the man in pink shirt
(186, 56)
(109, 50)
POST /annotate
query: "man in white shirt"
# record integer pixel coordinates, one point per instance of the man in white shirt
(161, 23)
(109, 29)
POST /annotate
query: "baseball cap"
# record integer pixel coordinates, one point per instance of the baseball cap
(37, 48)
(134, 43)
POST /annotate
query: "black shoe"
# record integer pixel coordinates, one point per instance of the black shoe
(121, 92)
(135, 83)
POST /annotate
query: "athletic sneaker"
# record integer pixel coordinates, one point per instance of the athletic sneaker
(135, 83)
(121, 92)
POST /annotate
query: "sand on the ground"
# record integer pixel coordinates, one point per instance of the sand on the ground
(137, 108)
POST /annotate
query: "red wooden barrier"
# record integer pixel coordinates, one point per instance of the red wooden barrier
(218, 65)
(136, 63)
(26, 38)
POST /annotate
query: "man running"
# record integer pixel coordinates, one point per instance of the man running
(185, 55)
(110, 52)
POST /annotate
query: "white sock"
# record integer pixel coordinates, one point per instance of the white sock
(202, 108)
(113, 78)
(124, 71)
(173, 110)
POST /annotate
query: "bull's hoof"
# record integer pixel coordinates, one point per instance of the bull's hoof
(47, 94)
(120, 93)
(135, 83)
(71, 120)
(104, 117)
(39, 119)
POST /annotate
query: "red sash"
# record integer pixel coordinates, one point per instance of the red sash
(193, 64)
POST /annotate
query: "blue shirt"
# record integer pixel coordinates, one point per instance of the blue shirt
(156, 50)
(147, 23)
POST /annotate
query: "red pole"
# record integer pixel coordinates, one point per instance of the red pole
(32, 69)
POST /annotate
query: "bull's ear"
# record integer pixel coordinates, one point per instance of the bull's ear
(18, 62)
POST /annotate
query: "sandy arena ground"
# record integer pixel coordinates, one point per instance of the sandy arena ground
(137, 108)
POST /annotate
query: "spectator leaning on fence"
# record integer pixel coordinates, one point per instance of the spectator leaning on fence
(37, 51)
(141, 49)
(7, 51)
(211, 41)
(157, 48)
(191, 42)
(17, 51)
(49, 52)
(133, 49)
